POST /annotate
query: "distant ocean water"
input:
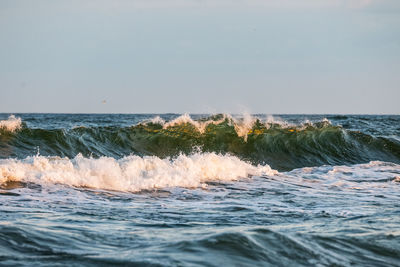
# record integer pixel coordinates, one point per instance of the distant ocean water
(199, 190)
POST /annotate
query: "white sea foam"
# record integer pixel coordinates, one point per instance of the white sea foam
(11, 124)
(157, 120)
(132, 173)
(359, 176)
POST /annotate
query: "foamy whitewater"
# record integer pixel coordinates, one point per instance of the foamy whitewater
(132, 173)
(199, 190)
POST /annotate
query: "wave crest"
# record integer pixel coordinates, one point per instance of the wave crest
(11, 124)
(243, 125)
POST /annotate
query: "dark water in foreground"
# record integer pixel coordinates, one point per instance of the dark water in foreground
(200, 190)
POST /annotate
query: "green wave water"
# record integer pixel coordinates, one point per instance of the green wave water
(283, 146)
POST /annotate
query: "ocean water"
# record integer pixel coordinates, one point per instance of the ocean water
(199, 190)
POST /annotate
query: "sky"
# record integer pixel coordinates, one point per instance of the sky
(200, 56)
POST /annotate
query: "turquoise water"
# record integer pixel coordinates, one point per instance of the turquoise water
(199, 190)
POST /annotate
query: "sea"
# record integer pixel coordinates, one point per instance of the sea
(199, 190)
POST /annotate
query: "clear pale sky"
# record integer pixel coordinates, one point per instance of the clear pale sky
(200, 56)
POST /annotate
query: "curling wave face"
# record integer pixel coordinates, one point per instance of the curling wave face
(281, 144)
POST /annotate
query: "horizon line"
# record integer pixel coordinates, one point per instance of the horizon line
(194, 113)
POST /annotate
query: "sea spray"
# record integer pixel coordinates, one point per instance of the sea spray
(11, 124)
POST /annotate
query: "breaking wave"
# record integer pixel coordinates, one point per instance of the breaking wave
(132, 173)
(282, 145)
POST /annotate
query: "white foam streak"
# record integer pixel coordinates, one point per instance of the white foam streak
(375, 174)
(131, 173)
(11, 124)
